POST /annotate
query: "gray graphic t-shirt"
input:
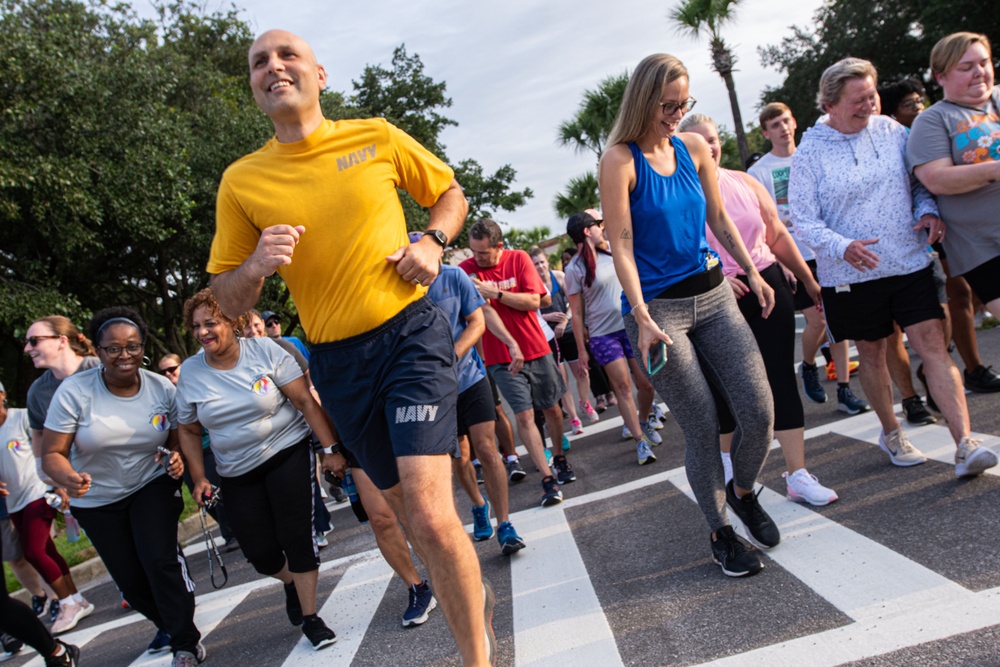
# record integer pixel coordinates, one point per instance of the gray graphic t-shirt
(248, 418)
(115, 438)
(17, 462)
(968, 136)
(773, 172)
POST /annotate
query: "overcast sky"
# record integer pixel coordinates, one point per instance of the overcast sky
(515, 70)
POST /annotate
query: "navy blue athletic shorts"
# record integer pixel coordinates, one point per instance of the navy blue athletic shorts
(392, 391)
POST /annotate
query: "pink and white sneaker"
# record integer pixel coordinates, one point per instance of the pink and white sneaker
(803, 487)
(587, 409)
(576, 425)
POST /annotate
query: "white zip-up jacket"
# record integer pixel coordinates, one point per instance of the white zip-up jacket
(846, 187)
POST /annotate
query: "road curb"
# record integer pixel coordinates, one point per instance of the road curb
(90, 570)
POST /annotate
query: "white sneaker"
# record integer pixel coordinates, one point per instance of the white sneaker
(803, 487)
(626, 434)
(644, 453)
(727, 467)
(589, 411)
(649, 429)
(971, 459)
(654, 421)
(71, 613)
(659, 413)
(899, 449)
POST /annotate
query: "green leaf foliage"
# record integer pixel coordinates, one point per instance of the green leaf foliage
(896, 36)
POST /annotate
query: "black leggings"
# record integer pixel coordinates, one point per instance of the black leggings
(136, 537)
(17, 620)
(271, 511)
(776, 339)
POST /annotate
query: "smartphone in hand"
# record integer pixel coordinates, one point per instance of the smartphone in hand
(657, 358)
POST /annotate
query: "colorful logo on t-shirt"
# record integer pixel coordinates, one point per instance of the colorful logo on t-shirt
(14, 446)
(261, 386)
(159, 422)
(978, 139)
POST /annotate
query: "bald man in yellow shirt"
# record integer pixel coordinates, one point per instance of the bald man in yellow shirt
(318, 204)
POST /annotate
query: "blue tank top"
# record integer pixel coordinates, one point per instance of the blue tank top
(668, 224)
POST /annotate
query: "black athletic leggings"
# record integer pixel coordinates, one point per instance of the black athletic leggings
(17, 620)
(271, 511)
(776, 339)
(136, 537)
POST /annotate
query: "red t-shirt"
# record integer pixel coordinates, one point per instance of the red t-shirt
(513, 273)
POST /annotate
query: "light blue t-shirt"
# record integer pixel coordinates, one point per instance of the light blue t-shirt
(115, 437)
(249, 419)
(454, 292)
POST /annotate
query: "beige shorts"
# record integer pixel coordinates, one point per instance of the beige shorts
(11, 541)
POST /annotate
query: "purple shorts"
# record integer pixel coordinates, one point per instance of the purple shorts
(611, 347)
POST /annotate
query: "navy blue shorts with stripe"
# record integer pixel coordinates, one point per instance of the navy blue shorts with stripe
(392, 391)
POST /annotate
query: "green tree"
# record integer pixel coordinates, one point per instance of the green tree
(525, 238)
(580, 194)
(896, 36)
(698, 17)
(588, 131)
(408, 98)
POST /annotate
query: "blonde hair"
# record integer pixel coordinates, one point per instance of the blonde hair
(836, 76)
(642, 95)
(696, 119)
(949, 50)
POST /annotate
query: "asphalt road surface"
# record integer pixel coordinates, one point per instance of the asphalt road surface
(902, 570)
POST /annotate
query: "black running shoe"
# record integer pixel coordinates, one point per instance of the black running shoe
(292, 606)
(551, 495)
(515, 473)
(317, 633)
(39, 605)
(70, 657)
(11, 646)
(53, 610)
(564, 472)
(735, 556)
(762, 530)
(916, 413)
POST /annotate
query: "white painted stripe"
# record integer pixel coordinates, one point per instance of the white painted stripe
(349, 612)
(557, 616)
(207, 616)
(198, 545)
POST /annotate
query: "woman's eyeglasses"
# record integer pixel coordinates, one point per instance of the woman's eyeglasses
(33, 340)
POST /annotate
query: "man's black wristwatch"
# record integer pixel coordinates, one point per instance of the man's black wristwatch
(439, 237)
(335, 448)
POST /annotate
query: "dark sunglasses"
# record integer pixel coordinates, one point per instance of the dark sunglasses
(169, 369)
(33, 341)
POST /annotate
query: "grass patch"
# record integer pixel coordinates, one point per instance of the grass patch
(76, 553)
(989, 323)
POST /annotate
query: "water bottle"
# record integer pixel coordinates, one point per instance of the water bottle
(351, 489)
(53, 500)
(72, 527)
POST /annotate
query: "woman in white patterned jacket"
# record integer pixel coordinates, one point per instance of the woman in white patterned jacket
(856, 205)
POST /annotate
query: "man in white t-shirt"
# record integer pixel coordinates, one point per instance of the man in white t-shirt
(773, 170)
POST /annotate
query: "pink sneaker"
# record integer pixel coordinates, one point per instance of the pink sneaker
(576, 425)
(71, 613)
(587, 409)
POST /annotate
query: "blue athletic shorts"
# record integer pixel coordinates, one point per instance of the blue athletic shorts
(391, 391)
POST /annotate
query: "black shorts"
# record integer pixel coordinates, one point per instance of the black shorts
(475, 406)
(985, 280)
(567, 348)
(802, 300)
(391, 391)
(497, 402)
(865, 311)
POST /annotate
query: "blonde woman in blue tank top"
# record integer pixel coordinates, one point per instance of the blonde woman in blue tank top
(658, 191)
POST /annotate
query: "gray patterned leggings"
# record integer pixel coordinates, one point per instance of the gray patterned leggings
(712, 343)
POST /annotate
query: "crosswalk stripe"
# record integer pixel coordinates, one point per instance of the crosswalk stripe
(349, 611)
(557, 615)
(207, 616)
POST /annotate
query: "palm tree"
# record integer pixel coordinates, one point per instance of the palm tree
(589, 129)
(694, 17)
(580, 194)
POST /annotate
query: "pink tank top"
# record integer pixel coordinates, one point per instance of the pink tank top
(743, 207)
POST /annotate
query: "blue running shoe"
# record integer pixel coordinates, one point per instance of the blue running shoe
(422, 602)
(565, 443)
(160, 643)
(482, 529)
(510, 541)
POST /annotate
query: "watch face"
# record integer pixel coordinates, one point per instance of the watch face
(439, 236)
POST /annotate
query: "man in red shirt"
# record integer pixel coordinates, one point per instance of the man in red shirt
(509, 281)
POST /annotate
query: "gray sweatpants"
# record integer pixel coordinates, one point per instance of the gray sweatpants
(712, 343)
